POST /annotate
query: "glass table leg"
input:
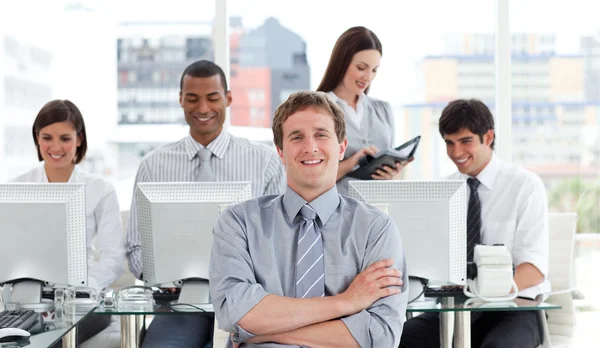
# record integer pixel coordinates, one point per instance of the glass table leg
(446, 329)
(462, 329)
(69, 340)
(131, 329)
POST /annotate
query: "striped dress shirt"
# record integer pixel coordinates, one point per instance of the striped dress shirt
(235, 159)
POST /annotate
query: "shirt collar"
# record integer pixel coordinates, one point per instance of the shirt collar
(324, 205)
(487, 176)
(362, 99)
(72, 178)
(218, 146)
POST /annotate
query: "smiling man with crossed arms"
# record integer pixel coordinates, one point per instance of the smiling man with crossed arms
(309, 267)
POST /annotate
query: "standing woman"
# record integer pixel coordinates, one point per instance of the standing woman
(369, 122)
(61, 143)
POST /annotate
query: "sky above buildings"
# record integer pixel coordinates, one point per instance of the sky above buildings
(408, 30)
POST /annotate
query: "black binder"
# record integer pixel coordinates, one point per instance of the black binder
(369, 164)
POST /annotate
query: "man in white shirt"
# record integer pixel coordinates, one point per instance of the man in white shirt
(507, 205)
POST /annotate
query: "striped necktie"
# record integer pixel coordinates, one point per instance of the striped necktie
(310, 268)
(473, 218)
(205, 171)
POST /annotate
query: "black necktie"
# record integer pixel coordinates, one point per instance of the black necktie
(473, 218)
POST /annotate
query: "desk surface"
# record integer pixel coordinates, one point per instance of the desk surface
(461, 304)
(441, 304)
(158, 309)
(55, 325)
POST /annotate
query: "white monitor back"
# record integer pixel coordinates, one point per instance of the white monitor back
(176, 220)
(42, 232)
(432, 219)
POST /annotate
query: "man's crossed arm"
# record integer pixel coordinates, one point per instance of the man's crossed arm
(316, 321)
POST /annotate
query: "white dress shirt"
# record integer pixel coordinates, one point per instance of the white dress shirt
(103, 224)
(355, 116)
(514, 212)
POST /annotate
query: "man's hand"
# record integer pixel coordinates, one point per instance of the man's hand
(373, 283)
(235, 344)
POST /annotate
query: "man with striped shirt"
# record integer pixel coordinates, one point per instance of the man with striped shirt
(208, 153)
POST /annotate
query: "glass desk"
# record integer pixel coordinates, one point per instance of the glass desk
(132, 319)
(455, 314)
(55, 325)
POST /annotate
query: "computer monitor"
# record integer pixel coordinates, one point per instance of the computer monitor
(432, 219)
(176, 220)
(42, 231)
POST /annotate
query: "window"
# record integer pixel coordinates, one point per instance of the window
(274, 52)
(565, 99)
(132, 76)
(256, 95)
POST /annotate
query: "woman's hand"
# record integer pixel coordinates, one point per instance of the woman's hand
(388, 173)
(369, 150)
(347, 165)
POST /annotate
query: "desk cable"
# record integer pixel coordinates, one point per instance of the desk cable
(424, 284)
(173, 304)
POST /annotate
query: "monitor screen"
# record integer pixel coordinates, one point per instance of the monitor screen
(176, 220)
(42, 229)
(431, 217)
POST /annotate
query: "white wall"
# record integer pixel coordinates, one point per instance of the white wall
(26, 31)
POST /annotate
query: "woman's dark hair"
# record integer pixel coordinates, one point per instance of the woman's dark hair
(61, 111)
(471, 114)
(353, 40)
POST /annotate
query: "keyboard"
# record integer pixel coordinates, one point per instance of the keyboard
(49, 294)
(164, 296)
(23, 319)
(445, 291)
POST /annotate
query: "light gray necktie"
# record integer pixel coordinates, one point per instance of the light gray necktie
(310, 268)
(205, 172)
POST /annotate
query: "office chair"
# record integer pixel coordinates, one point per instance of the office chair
(560, 325)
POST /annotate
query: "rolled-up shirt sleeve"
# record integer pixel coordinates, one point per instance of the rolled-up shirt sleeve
(531, 235)
(133, 245)
(233, 286)
(381, 324)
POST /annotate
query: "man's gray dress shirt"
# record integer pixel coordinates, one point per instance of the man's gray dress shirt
(254, 253)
